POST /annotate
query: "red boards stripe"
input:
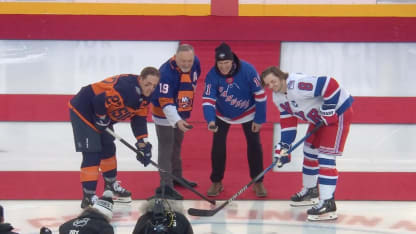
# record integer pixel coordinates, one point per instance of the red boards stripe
(95, 27)
(370, 110)
(387, 186)
(30, 107)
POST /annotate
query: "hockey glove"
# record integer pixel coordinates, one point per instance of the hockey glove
(280, 154)
(328, 114)
(145, 153)
(102, 122)
(212, 127)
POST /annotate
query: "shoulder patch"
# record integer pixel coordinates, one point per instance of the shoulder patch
(256, 81)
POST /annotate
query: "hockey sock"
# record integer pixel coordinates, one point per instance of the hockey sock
(89, 187)
(328, 176)
(108, 167)
(310, 168)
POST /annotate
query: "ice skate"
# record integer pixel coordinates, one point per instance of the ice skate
(88, 200)
(306, 197)
(121, 194)
(325, 210)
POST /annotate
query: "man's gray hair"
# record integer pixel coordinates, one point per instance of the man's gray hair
(184, 47)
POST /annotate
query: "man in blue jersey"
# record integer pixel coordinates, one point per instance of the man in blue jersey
(234, 95)
(172, 106)
(99, 106)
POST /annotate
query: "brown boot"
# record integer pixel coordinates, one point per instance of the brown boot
(215, 189)
(260, 189)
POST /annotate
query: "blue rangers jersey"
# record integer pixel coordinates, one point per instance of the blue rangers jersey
(303, 99)
(236, 99)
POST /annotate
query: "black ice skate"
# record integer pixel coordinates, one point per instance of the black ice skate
(121, 194)
(306, 197)
(88, 200)
(325, 210)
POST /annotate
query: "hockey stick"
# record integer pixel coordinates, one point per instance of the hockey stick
(160, 169)
(207, 213)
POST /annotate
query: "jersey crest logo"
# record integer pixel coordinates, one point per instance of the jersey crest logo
(81, 222)
(234, 85)
(184, 104)
(229, 80)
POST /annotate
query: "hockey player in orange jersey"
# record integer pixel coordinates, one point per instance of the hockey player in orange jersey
(100, 105)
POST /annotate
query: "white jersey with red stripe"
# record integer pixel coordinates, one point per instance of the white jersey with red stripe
(303, 99)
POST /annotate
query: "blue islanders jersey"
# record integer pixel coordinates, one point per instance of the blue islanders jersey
(119, 97)
(177, 89)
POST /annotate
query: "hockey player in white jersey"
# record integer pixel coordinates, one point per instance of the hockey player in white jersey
(312, 100)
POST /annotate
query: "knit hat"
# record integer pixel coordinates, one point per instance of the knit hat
(223, 52)
(45, 230)
(105, 204)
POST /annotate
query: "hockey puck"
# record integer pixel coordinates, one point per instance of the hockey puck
(213, 127)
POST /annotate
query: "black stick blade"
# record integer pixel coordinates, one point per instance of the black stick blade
(202, 213)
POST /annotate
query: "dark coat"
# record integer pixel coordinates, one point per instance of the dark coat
(144, 225)
(89, 222)
(6, 228)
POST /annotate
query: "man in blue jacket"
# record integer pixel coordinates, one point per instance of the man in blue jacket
(234, 95)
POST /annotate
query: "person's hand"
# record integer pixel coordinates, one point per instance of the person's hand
(281, 155)
(212, 127)
(144, 154)
(328, 114)
(183, 125)
(255, 127)
(102, 122)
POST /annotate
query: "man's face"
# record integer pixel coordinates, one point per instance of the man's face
(225, 66)
(274, 83)
(148, 84)
(185, 60)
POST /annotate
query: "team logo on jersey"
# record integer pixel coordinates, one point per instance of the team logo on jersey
(229, 80)
(185, 100)
(233, 85)
(80, 222)
(256, 81)
(291, 84)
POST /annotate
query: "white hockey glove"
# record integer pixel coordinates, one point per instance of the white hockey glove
(328, 114)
